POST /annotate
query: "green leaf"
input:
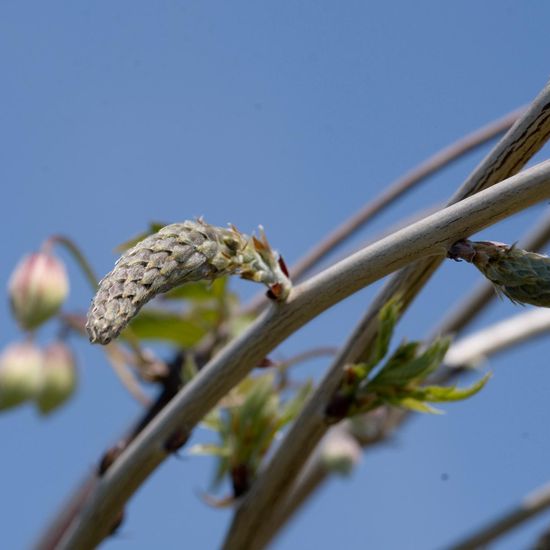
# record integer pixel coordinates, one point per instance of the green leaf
(396, 374)
(387, 319)
(153, 228)
(443, 394)
(153, 324)
(209, 449)
(213, 420)
(200, 291)
(415, 405)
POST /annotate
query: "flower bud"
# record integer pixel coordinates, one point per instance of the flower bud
(58, 378)
(37, 288)
(20, 373)
(340, 452)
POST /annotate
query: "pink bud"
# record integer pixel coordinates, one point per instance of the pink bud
(20, 373)
(58, 378)
(37, 288)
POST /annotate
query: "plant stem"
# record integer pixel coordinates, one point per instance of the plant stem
(427, 237)
(393, 192)
(78, 256)
(314, 474)
(270, 490)
(533, 504)
(399, 187)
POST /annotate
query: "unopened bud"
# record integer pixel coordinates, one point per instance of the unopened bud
(58, 379)
(340, 452)
(522, 276)
(20, 374)
(37, 288)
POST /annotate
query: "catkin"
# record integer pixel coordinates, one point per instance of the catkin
(178, 254)
(524, 277)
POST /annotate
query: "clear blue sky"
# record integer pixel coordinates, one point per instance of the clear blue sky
(292, 115)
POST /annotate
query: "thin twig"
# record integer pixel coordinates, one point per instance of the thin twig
(79, 257)
(118, 362)
(270, 490)
(427, 237)
(543, 541)
(498, 337)
(533, 504)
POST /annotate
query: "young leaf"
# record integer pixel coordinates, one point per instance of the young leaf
(157, 324)
(387, 320)
(208, 449)
(443, 394)
(416, 405)
(395, 374)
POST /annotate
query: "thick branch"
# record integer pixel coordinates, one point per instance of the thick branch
(481, 345)
(271, 489)
(400, 186)
(314, 473)
(424, 238)
(393, 192)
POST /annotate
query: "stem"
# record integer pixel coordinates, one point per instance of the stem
(427, 237)
(270, 490)
(78, 256)
(482, 344)
(532, 504)
(399, 187)
(498, 337)
(386, 420)
(116, 358)
(394, 191)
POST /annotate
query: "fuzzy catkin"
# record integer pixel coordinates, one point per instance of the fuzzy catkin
(178, 254)
(524, 277)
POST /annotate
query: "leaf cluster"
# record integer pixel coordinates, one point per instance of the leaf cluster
(399, 380)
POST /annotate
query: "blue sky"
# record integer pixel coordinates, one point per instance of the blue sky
(291, 115)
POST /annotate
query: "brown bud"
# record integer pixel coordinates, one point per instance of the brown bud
(37, 288)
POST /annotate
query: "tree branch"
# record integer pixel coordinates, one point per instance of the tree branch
(427, 237)
(394, 191)
(399, 187)
(498, 337)
(271, 489)
(533, 504)
(384, 421)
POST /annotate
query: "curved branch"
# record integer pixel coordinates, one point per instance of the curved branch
(536, 502)
(394, 191)
(271, 489)
(429, 236)
(399, 187)
(314, 473)
(482, 344)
